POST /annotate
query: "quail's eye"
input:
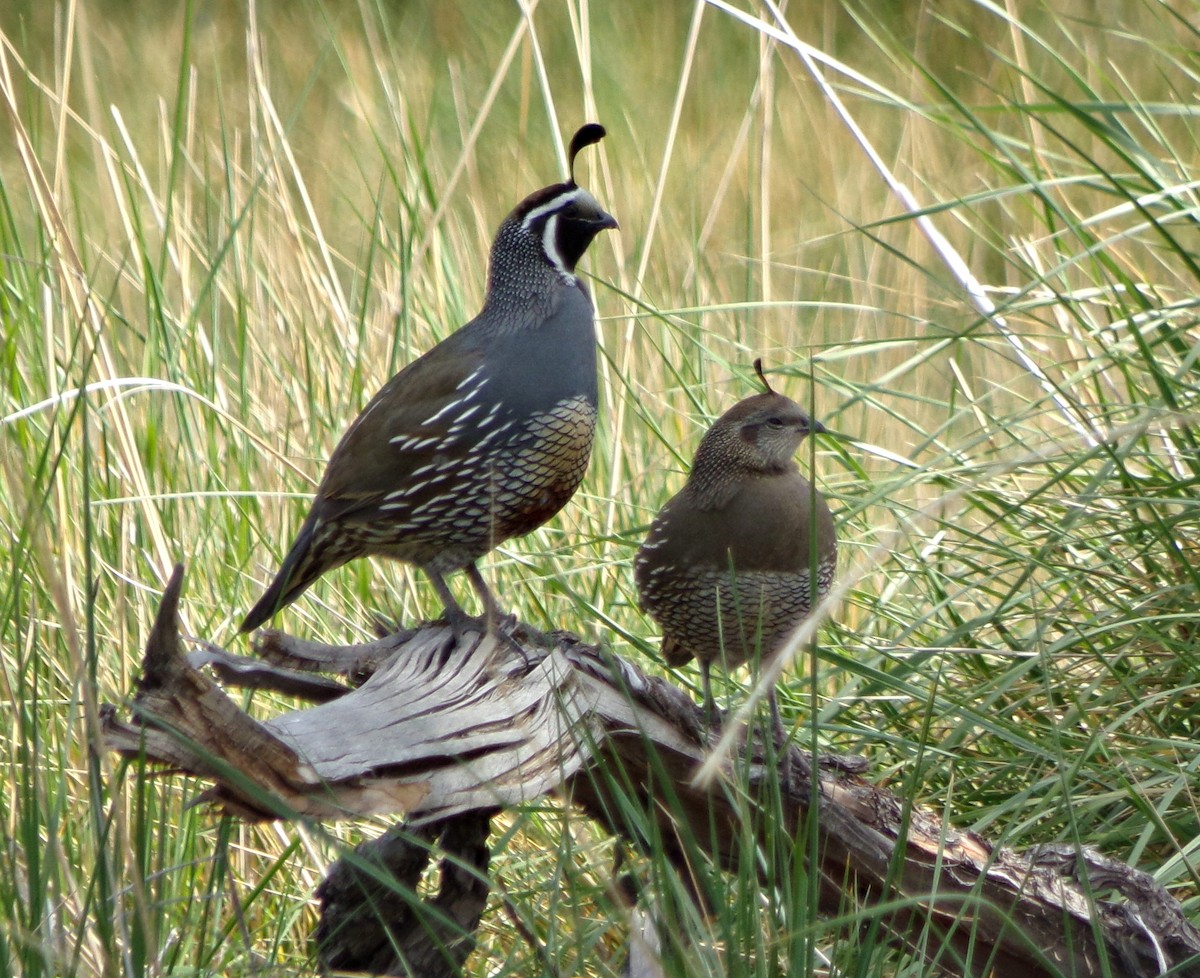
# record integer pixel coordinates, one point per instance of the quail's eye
(775, 423)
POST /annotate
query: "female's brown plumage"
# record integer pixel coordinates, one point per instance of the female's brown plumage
(737, 559)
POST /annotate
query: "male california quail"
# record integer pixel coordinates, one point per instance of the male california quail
(483, 438)
(736, 560)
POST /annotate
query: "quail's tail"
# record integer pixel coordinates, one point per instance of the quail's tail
(300, 568)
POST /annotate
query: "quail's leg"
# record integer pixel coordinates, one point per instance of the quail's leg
(491, 613)
(457, 618)
(710, 708)
(782, 753)
(777, 730)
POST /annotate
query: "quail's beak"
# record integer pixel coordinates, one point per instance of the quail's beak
(604, 220)
(816, 428)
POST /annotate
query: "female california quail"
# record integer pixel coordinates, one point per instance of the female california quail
(483, 438)
(737, 559)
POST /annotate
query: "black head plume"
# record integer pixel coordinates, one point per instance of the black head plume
(587, 135)
(758, 369)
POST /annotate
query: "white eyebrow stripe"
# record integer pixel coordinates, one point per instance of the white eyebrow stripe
(552, 205)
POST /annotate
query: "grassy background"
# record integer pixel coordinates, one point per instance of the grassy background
(228, 228)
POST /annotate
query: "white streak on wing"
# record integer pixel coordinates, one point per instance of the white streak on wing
(452, 406)
(468, 378)
(493, 435)
(408, 490)
(459, 422)
(458, 402)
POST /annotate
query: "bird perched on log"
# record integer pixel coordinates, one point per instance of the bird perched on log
(486, 436)
(737, 559)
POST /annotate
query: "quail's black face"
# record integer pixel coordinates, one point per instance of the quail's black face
(564, 218)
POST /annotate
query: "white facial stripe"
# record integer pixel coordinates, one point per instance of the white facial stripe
(550, 244)
(552, 205)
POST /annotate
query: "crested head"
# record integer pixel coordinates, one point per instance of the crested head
(756, 437)
(554, 225)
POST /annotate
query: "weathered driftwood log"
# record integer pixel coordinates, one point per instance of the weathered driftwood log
(446, 732)
(369, 919)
